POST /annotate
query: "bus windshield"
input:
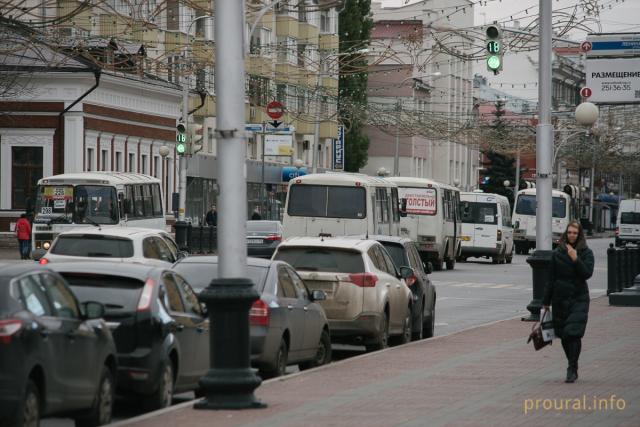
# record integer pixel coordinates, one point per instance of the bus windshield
(93, 204)
(527, 206)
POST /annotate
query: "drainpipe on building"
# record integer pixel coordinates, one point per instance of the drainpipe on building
(60, 157)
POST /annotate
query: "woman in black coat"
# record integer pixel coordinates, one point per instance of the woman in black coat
(567, 292)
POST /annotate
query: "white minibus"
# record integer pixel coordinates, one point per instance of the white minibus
(486, 227)
(340, 204)
(628, 229)
(87, 199)
(432, 218)
(564, 210)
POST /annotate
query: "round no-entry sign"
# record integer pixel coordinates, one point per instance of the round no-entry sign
(585, 46)
(275, 110)
(586, 92)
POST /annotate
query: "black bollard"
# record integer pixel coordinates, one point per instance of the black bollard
(211, 233)
(619, 261)
(201, 236)
(181, 235)
(540, 263)
(190, 238)
(630, 276)
(612, 272)
(230, 381)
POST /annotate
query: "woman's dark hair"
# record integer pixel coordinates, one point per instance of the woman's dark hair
(581, 242)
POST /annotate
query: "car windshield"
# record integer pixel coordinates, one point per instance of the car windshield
(199, 275)
(93, 203)
(527, 206)
(327, 201)
(630, 218)
(262, 227)
(479, 213)
(88, 245)
(322, 259)
(398, 254)
(119, 294)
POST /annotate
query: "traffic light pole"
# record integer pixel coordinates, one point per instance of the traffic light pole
(181, 225)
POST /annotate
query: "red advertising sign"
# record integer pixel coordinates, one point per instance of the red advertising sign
(275, 110)
(420, 201)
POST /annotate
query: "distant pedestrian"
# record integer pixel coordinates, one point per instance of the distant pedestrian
(212, 217)
(256, 215)
(23, 233)
(567, 293)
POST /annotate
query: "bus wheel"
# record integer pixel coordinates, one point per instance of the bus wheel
(437, 264)
(451, 263)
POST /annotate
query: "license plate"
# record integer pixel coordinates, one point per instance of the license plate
(254, 241)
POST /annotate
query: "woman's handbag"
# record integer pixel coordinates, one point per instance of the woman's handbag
(536, 333)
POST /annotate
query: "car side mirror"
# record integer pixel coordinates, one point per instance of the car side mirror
(93, 310)
(407, 272)
(38, 254)
(428, 267)
(318, 295)
(203, 309)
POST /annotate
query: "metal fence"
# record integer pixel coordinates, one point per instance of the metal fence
(623, 265)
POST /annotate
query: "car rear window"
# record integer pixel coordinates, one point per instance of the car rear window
(398, 253)
(331, 260)
(262, 227)
(119, 294)
(98, 246)
(479, 213)
(199, 275)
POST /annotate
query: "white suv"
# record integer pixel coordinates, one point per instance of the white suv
(367, 298)
(127, 244)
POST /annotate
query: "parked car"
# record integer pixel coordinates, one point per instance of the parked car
(404, 253)
(153, 247)
(160, 330)
(367, 298)
(263, 237)
(288, 326)
(57, 357)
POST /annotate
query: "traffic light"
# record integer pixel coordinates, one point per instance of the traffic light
(494, 48)
(195, 138)
(181, 138)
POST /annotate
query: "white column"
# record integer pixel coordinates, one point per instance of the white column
(73, 142)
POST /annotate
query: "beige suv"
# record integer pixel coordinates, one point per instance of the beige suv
(367, 299)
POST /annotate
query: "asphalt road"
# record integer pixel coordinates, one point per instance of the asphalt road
(474, 293)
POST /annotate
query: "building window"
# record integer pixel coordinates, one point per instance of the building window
(118, 161)
(132, 162)
(25, 173)
(89, 159)
(103, 160)
(144, 163)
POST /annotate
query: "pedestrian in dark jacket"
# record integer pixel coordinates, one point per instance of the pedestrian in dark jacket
(23, 233)
(567, 293)
(212, 217)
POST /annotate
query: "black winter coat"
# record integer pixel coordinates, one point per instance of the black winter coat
(567, 291)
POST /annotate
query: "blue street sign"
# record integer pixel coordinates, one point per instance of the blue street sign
(338, 150)
(290, 172)
(279, 129)
(253, 127)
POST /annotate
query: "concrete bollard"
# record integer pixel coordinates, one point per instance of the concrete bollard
(612, 271)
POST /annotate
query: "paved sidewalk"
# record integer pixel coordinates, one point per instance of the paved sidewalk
(484, 376)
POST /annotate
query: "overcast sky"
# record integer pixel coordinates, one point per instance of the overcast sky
(617, 16)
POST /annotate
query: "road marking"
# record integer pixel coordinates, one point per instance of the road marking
(500, 286)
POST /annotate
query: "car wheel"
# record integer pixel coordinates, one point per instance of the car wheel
(323, 355)
(407, 329)
(430, 325)
(163, 396)
(382, 341)
(437, 265)
(417, 331)
(28, 414)
(281, 362)
(101, 412)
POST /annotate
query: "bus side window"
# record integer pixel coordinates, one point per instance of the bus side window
(157, 204)
(395, 207)
(139, 202)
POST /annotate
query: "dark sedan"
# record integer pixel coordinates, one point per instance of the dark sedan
(287, 325)
(404, 253)
(263, 237)
(160, 330)
(56, 356)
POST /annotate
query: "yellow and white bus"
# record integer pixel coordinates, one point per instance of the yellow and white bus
(341, 204)
(87, 199)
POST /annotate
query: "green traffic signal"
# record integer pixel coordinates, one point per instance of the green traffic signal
(181, 147)
(493, 62)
